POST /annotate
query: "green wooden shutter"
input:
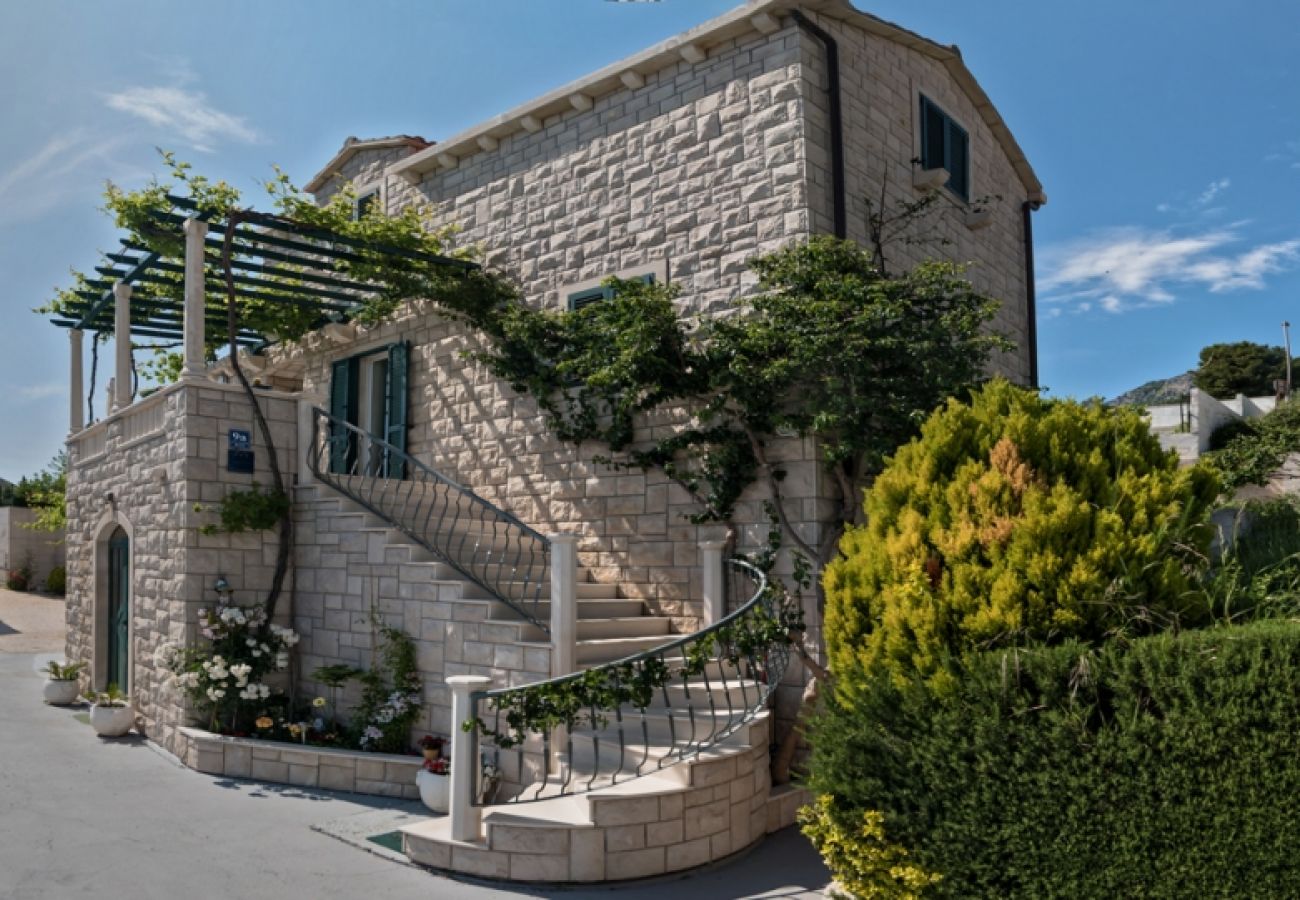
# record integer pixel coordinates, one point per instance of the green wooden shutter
(958, 165)
(343, 407)
(399, 357)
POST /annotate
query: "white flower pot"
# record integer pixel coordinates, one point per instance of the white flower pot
(61, 693)
(111, 721)
(435, 790)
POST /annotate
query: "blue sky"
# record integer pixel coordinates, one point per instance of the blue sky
(1166, 134)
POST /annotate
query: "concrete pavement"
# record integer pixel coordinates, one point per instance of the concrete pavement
(81, 816)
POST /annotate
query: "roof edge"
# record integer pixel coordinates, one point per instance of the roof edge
(353, 145)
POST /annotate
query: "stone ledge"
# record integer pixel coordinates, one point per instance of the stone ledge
(380, 774)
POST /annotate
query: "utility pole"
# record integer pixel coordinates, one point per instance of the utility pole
(1286, 341)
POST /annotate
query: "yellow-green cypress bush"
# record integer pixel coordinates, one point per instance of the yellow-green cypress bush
(1015, 519)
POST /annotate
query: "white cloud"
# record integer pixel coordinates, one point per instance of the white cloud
(59, 170)
(42, 391)
(1123, 267)
(1212, 190)
(185, 113)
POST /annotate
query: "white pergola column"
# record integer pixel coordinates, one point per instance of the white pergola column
(466, 818)
(715, 597)
(122, 344)
(194, 365)
(76, 384)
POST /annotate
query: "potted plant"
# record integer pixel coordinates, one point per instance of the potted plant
(111, 714)
(434, 782)
(61, 687)
(432, 746)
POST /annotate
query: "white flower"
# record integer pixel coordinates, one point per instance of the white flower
(257, 654)
(240, 670)
(251, 642)
(215, 694)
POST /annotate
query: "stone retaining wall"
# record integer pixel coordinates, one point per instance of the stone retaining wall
(381, 774)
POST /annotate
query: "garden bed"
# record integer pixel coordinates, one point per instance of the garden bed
(382, 774)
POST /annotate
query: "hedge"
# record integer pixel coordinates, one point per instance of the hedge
(1166, 768)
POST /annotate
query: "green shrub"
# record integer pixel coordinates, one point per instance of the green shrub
(57, 581)
(1162, 768)
(1256, 453)
(1015, 519)
(1259, 574)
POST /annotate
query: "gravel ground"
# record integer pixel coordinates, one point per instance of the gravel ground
(30, 623)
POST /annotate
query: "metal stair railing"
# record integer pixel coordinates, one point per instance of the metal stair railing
(484, 543)
(635, 716)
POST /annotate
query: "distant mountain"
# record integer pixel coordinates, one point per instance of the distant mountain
(1154, 393)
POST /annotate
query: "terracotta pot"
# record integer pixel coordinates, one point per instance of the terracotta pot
(435, 790)
(432, 752)
(61, 693)
(111, 721)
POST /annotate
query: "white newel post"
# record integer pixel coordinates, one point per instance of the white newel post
(77, 384)
(564, 603)
(564, 623)
(194, 365)
(122, 343)
(466, 818)
(715, 597)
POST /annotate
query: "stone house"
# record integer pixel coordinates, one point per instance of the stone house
(776, 121)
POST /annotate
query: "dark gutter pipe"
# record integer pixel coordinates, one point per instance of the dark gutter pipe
(836, 115)
(1031, 294)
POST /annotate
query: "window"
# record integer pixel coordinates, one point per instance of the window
(945, 145)
(364, 203)
(588, 296)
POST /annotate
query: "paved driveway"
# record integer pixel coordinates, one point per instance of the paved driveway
(83, 817)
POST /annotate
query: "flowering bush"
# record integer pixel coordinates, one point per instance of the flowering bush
(391, 697)
(439, 766)
(224, 676)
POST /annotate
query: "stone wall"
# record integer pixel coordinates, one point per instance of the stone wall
(881, 82)
(688, 176)
(21, 545)
(146, 469)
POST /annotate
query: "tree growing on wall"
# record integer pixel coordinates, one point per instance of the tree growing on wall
(1243, 367)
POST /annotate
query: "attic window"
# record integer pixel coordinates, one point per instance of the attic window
(364, 203)
(945, 145)
(579, 299)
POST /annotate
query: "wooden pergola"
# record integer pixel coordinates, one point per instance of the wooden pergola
(182, 296)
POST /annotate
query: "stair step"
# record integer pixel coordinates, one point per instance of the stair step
(595, 652)
(587, 609)
(631, 627)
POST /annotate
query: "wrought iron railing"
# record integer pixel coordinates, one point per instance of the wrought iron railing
(638, 715)
(485, 544)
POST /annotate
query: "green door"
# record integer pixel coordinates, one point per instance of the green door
(119, 594)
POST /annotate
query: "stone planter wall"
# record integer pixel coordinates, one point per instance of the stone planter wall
(381, 774)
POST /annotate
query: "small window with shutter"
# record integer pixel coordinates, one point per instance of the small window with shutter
(945, 145)
(588, 296)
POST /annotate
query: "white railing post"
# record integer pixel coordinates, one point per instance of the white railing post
(122, 343)
(306, 437)
(194, 365)
(564, 603)
(466, 818)
(715, 597)
(76, 384)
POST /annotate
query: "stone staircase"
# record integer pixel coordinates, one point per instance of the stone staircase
(706, 794)
(610, 626)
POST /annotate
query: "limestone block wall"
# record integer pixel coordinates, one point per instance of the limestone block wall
(20, 545)
(145, 469)
(881, 83)
(688, 176)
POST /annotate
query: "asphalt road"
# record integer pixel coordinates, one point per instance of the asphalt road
(85, 817)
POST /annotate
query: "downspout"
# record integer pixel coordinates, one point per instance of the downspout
(1031, 295)
(836, 116)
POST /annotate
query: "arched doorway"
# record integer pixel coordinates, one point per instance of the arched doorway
(119, 609)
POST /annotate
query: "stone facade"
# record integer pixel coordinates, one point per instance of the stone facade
(153, 470)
